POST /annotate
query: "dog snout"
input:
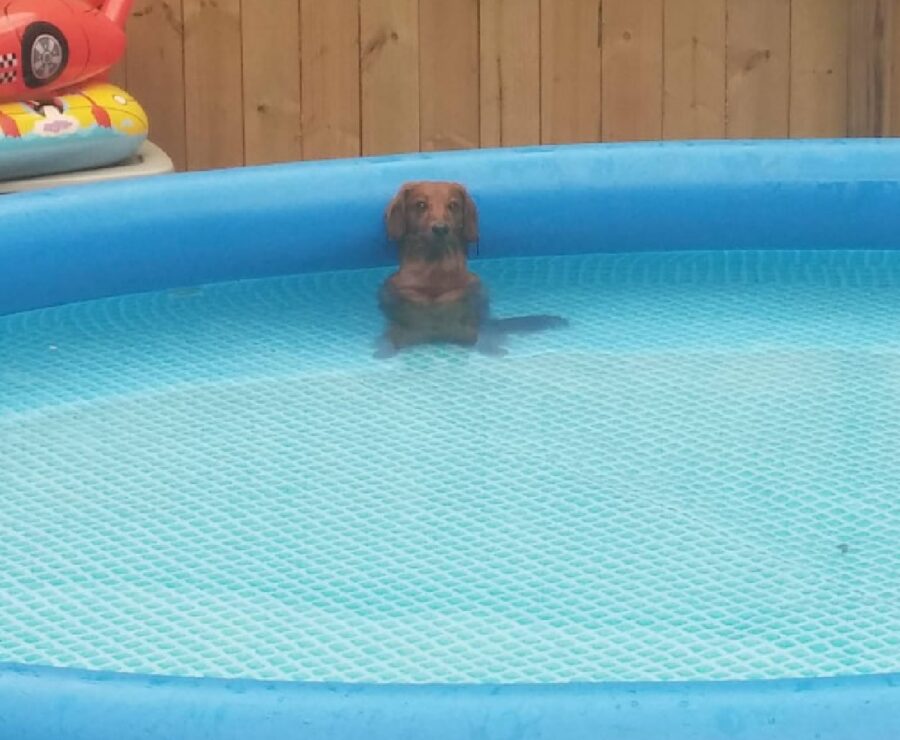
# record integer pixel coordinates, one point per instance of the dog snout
(440, 228)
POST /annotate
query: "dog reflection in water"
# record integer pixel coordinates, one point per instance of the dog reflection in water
(433, 297)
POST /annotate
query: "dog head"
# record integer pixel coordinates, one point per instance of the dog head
(432, 218)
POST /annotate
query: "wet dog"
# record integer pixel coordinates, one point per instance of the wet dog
(433, 297)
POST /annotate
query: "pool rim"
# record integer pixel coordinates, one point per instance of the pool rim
(105, 705)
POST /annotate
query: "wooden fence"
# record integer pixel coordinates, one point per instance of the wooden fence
(228, 82)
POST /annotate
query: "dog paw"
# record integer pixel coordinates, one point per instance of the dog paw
(490, 347)
(384, 350)
(496, 352)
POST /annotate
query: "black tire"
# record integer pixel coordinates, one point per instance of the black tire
(45, 54)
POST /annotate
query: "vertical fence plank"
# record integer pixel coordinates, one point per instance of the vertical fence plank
(632, 36)
(329, 46)
(893, 66)
(869, 72)
(155, 72)
(819, 39)
(270, 38)
(571, 71)
(212, 83)
(448, 74)
(389, 68)
(758, 68)
(510, 72)
(330, 78)
(694, 74)
(118, 75)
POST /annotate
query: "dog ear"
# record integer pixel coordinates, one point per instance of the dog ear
(470, 217)
(395, 215)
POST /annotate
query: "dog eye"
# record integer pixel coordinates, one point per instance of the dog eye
(421, 205)
(453, 206)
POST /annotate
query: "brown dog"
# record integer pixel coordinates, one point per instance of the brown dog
(433, 296)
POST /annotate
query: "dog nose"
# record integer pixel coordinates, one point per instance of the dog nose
(440, 229)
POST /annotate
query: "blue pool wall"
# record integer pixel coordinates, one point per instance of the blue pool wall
(176, 230)
(60, 704)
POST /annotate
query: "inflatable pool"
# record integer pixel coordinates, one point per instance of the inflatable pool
(677, 517)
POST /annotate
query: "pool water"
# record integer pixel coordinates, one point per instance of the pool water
(699, 478)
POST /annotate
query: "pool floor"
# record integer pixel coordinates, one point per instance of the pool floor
(699, 478)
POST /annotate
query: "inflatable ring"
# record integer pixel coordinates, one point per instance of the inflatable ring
(94, 126)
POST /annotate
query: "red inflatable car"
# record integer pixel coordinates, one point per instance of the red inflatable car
(49, 45)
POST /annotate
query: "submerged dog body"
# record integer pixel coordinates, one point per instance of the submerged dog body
(433, 296)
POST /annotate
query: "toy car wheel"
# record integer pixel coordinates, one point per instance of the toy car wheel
(45, 53)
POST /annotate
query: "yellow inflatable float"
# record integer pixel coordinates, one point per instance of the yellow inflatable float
(94, 126)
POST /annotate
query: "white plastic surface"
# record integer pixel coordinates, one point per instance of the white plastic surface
(149, 160)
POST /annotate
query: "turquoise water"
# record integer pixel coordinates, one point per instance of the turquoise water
(698, 479)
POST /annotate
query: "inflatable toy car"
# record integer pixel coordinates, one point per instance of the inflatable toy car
(47, 46)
